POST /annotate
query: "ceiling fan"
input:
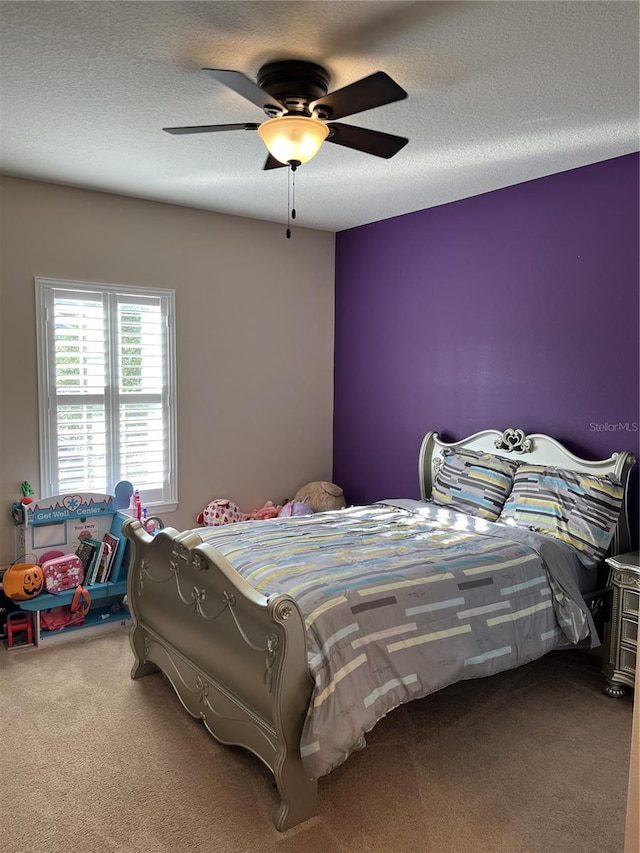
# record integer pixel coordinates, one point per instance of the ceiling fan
(301, 115)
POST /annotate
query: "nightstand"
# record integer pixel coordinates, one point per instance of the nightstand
(624, 580)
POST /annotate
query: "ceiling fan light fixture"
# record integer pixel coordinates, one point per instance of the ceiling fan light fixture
(293, 138)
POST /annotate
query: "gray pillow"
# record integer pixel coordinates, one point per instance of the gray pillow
(579, 509)
(473, 482)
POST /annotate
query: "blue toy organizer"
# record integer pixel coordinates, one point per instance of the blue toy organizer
(59, 523)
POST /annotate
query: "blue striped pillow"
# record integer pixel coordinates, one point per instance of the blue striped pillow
(473, 482)
(579, 509)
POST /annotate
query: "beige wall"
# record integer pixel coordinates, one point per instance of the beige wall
(254, 336)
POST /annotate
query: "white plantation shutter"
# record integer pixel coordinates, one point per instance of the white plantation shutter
(106, 376)
(77, 404)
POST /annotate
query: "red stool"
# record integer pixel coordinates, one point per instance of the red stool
(17, 622)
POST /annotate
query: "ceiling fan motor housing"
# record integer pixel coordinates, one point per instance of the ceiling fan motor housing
(295, 84)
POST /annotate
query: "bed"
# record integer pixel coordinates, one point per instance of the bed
(292, 637)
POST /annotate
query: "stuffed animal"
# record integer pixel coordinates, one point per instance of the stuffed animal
(266, 511)
(321, 496)
(294, 508)
(224, 511)
(219, 512)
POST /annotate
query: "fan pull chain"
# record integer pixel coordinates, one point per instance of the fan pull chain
(288, 204)
(291, 194)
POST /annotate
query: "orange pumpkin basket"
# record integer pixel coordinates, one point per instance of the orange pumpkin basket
(23, 581)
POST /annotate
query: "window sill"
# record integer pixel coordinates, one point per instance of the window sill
(153, 509)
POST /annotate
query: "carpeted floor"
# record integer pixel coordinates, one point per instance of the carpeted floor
(529, 761)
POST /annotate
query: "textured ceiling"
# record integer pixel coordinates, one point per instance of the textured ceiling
(499, 93)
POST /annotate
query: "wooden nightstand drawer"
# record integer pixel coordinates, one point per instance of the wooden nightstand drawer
(628, 660)
(631, 601)
(622, 641)
(629, 631)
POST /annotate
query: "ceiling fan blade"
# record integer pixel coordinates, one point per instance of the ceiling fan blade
(211, 128)
(374, 91)
(370, 141)
(272, 163)
(244, 86)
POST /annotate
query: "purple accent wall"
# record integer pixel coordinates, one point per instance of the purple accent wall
(516, 308)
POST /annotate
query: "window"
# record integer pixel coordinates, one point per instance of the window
(106, 383)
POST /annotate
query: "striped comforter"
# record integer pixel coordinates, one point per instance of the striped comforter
(403, 598)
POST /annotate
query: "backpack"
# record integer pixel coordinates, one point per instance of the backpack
(71, 614)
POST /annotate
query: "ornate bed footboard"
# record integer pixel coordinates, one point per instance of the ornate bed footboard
(237, 660)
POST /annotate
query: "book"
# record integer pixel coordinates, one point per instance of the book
(95, 565)
(104, 561)
(119, 564)
(92, 568)
(112, 543)
(85, 551)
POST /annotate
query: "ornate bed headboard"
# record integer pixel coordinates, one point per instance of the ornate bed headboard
(535, 449)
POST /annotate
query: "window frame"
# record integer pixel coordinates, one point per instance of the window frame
(45, 289)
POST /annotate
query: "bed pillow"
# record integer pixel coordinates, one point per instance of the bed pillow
(473, 482)
(579, 509)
